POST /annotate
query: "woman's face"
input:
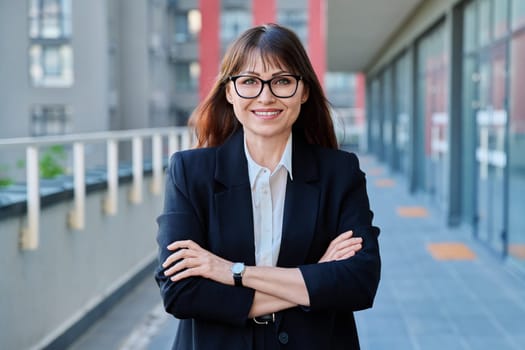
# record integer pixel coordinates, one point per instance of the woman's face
(266, 116)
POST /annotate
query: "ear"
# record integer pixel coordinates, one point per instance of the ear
(305, 95)
(229, 94)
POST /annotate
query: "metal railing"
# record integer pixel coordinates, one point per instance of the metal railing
(177, 138)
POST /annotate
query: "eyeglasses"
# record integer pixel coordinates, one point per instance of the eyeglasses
(282, 86)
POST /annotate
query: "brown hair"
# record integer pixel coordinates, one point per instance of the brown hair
(214, 119)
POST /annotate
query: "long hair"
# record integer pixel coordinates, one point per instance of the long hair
(214, 119)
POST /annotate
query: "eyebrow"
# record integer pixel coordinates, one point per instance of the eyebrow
(257, 74)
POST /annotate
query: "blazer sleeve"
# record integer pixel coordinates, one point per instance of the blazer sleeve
(349, 284)
(193, 297)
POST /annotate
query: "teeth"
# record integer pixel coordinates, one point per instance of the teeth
(266, 113)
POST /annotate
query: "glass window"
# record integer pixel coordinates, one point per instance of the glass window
(402, 97)
(500, 23)
(388, 105)
(484, 22)
(50, 51)
(340, 88)
(518, 14)
(181, 28)
(187, 26)
(470, 34)
(50, 120)
(433, 113)
(296, 20)
(517, 149)
(374, 117)
(49, 19)
(51, 66)
(187, 76)
(233, 23)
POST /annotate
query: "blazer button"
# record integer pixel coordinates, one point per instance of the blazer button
(283, 338)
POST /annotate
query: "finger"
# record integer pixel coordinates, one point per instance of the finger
(181, 266)
(182, 275)
(182, 244)
(342, 237)
(353, 244)
(173, 258)
(347, 253)
(174, 269)
(349, 242)
(187, 268)
(182, 253)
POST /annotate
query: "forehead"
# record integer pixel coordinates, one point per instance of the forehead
(260, 62)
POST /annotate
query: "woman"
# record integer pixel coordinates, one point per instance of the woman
(266, 238)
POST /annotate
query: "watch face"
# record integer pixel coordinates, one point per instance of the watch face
(237, 268)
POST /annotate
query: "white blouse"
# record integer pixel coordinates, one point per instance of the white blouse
(268, 193)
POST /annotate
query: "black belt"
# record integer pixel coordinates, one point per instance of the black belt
(265, 319)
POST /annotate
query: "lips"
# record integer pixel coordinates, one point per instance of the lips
(267, 114)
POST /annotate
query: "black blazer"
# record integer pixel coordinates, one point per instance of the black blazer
(208, 200)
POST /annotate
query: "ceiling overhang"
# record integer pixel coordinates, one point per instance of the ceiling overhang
(358, 29)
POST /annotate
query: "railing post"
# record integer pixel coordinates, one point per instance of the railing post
(111, 200)
(30, 234)
(136, 191)
(172, 143)
(186, 139)
(77, 215)
(156, 182)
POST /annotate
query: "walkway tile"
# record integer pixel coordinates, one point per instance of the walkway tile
(412, 212)
(384, 183)
(440, 288)
(450, 251)
(517, 250)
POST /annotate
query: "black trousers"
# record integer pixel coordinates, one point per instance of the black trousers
(265, 337)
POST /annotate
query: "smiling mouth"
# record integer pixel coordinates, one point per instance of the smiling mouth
(266, 114)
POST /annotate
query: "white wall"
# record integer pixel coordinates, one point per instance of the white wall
(44, 292)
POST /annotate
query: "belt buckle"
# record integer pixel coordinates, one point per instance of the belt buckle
(265, 319)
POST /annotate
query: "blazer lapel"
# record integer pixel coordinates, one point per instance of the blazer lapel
(233, 202)
(301, 206)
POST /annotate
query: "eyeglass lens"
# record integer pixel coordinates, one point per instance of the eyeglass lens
(281, 86)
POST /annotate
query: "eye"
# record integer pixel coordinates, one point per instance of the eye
(282, 81)
(248, 80)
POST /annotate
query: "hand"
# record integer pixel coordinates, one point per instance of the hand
(342, 247)
(189, 259)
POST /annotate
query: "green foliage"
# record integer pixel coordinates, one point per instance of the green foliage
(50, 163)
(5, 180)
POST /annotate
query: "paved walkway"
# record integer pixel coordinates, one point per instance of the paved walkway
(440, 289)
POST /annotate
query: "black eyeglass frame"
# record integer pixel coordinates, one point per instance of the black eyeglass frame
(233, 78)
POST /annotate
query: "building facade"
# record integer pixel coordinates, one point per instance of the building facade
(446, 109)
(73, 67)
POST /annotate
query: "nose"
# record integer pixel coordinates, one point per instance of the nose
(266, 94)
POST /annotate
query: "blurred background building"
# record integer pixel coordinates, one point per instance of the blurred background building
(83, 66)
(433, 88)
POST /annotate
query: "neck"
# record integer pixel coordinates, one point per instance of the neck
(266, 152)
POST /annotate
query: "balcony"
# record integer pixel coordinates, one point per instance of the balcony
(72, 244)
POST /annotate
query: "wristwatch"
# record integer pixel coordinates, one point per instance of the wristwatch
(237, 271)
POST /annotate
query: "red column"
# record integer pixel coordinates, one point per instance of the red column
(209, 45)
(263, 11)
(317, 36)
(360, 98)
